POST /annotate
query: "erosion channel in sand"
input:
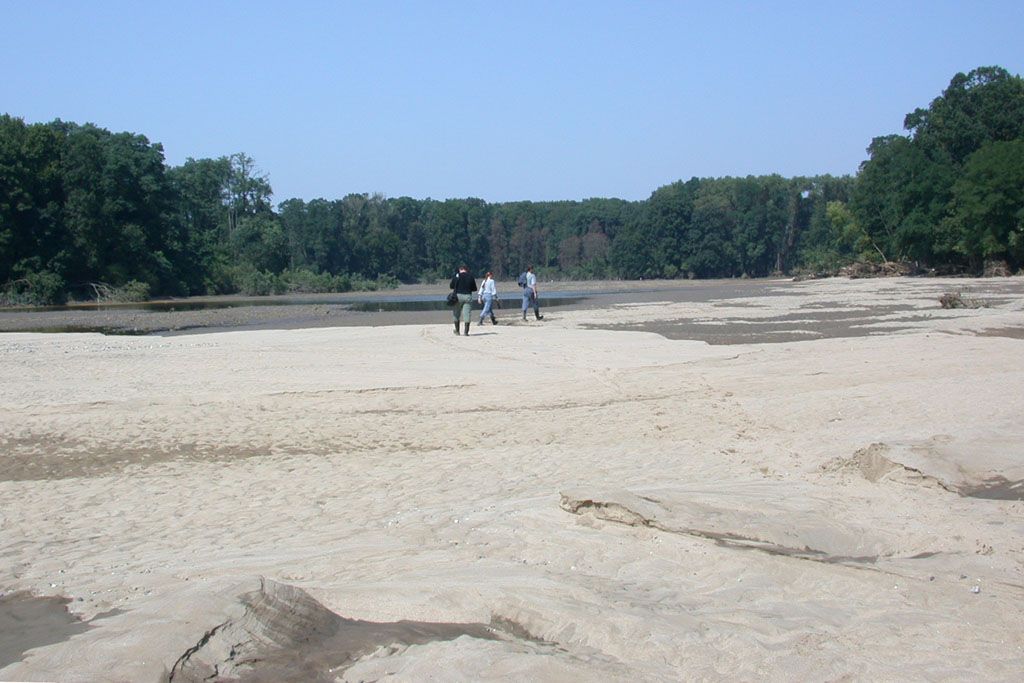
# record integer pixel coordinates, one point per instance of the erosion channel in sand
(816, 480)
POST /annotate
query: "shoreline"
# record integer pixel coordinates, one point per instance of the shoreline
(333, 310)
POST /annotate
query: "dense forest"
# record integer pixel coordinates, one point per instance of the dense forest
(87, 213)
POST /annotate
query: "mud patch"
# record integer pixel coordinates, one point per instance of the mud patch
(997, 488)
(28, 621)
(1009, 332)
(49, 457)
(803, 325)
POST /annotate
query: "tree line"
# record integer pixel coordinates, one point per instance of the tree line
(87, 212)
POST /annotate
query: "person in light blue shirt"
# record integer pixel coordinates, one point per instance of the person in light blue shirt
(488, 296)
(530, 294)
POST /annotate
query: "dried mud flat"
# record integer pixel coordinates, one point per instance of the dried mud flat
(570, 499)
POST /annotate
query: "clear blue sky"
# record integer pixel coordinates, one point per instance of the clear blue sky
(499, 100)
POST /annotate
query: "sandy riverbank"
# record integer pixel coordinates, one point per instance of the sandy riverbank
(566, 500)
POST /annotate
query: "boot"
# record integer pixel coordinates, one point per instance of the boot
(494, 321)
(456, 327)
(465, 329)
(524, 316)
(539, 316)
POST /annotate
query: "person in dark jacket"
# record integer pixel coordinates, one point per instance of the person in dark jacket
(464, 285)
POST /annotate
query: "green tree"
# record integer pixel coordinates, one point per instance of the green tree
(32, 233)
(764, 227)
(905, 189)
(405, 221)
(709, 250)
(259, 243)
(825, 244)
(901, 195)
(201, 194)
(988, 204)
(653, 244)
(248, 190)
(985, 105)
(117, 209)
(499, 250)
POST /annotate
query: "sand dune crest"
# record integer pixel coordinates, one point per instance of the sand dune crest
(285, 634)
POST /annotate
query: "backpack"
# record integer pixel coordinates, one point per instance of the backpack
(522, 279)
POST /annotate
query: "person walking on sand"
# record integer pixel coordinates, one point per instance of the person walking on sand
(463, 285)
(530, 294)
(488, 296)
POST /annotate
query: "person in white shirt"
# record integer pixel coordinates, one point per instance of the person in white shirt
(487, 296)
(530, 294)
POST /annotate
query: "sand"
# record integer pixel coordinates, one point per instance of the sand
(836, 496)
